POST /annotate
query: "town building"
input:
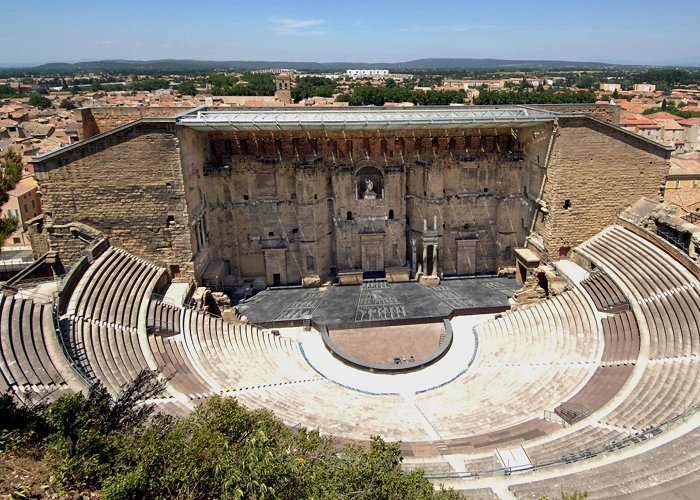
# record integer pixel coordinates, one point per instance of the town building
(23, 204)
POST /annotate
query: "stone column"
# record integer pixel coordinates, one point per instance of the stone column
(435, 259)
(424, 266)
(414, 256)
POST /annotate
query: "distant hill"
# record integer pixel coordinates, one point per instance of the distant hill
(184, 65)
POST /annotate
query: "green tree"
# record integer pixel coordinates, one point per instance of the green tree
(148, 84)
(39, 101)
(87, 429)
(313, 86)
(10, 173)
(67, 104)
(187, 87)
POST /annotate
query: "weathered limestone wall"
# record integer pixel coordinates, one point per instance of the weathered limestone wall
(129, 186)
(599, 170)
(291, 207)
(609, 113)
(93, 121)
(295, 201)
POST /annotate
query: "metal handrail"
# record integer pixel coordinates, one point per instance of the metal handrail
(578, 455)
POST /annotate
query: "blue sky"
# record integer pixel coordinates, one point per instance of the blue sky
(622, 31)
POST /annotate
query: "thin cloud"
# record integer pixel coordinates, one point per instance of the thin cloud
(449, 28)
(292, 26)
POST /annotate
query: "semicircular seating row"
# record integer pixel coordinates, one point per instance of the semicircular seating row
(665, 301)
(528, 360)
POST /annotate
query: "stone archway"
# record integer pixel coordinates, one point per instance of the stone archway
(369, 181)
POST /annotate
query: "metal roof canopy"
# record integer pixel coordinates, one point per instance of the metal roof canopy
(364, 118)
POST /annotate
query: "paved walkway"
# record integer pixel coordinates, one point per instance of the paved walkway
(575, 273)
(450, 366)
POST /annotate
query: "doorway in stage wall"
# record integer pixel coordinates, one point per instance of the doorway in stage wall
(276, 280)
(372, 252)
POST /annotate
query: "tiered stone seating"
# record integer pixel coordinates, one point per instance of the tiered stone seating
(338, 410)
(606, 295)
(667, 294)
(103, 315)
(621, 338)
(669, 299)
(621, 349)
(241, 356)
(666, 389)
(431, 469)
(173, 362)
(109, 354)
(656, 468)
(32, 359)
(113, 288)
(528, 360)
(163, 317)
(567, 444)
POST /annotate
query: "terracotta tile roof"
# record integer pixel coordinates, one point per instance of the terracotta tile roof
(684, 166)
(662, 115)
(669, 124)
(685, 198)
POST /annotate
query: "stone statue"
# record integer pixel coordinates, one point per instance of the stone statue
(369, 193)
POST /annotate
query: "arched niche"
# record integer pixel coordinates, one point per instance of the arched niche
(369, 182)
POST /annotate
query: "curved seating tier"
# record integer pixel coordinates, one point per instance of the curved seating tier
(606, 295)
(174, 364)
(621, 338)
(667, 294)
(527, 362)
(242, 356)
(338, 410)
(113, 288)
(106, 353)
(163, 317)
(103, 317)
(655, 468)
(32, 359)
(666, 389)
(582, 439)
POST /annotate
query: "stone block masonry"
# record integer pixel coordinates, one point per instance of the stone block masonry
(128, 187)
(594, 172)
(294, 207)
(93, 121)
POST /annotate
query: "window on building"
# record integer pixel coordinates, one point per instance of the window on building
(34, 203)
(169, 220)
(310, 264)
(348, 216)
(16, 241)
(245, 197)
(677, 184)
(567, 204)
(13, 212)
(694, 183)
(271, 233)
(391, 215)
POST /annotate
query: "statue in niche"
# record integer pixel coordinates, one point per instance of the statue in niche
(369, 190)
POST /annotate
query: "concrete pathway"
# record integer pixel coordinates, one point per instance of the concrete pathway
(451, 365)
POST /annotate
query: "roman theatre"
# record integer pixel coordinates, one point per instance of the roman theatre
(499, 288)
